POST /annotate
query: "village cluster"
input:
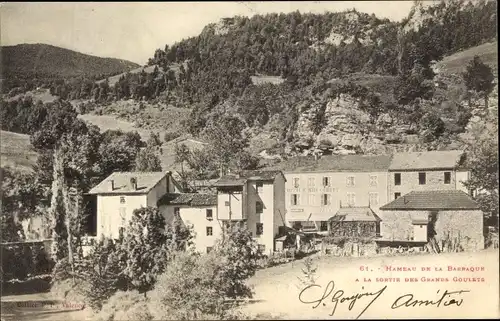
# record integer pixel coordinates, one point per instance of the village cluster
(403, 199)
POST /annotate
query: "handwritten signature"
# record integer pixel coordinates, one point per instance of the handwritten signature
(339, 296)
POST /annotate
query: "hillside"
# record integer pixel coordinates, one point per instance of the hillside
(16, 151)
(455, 63)
(301, 83)
(42, 62)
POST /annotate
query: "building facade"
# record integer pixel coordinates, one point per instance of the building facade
(255, 199)
(424, 171)
(446, 215)
(122, 192)
(198, 211)
(317, 188)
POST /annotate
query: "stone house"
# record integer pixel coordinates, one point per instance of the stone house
(122, 192)
(425, 171)
(255, 199)
(443, 214)
(196, 210)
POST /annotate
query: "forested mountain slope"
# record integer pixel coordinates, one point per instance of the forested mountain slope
(29, 65)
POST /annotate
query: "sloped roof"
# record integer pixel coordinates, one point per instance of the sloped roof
(426, 160)
(191, 199)
(337, 163)
(145, 182)
(241, 178)
(433, 200)
(355, 214)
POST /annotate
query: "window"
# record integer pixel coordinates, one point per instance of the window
(259, 208)
(421, 178)
(312, 200)
(177, 210)
(310, 182)
(259, 186)
(350, 181)
(326, 199)
(209, 231)
(324, 226)
(373, 199)
(210, 214)
(397, 179)
(259, 228)
(122, 199)
(295, 199)
(296, 181)
(326, 181)
(397, 195)
(373, 180)
(351, 199)
(209, 249)
(447, 177)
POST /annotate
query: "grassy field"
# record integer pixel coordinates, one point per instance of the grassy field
(16, 151)
(277, 289)
(38, 94)
(263, 79)
(110, 122)
(457, 62)
(114, 79)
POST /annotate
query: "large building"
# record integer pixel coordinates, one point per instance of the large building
(122, 192)
(317, 188)
(256, 199)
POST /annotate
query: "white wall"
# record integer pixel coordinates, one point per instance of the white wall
(461, 176)
(196, 216)
(108, 212)
(236, 201)
(310, 195)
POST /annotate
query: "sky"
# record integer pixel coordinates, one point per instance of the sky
(133, 30)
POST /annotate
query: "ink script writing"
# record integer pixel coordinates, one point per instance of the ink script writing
(316, 296)
(339, 296)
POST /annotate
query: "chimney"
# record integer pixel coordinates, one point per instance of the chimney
(133, 183)
(112, 185)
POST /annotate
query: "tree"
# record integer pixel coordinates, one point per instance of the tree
(224, 133)
(479, 78)
(482, 162)
(182, 155)
(147, 161)
(432, 127)
(146, 245)
(239, 254)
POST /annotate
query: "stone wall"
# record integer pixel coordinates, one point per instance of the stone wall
(467, 225)
(409, 182)
(397, 225)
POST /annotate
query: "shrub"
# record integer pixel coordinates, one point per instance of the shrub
(239, 255)
(102, 269)
(130, 305)
(70, 291)
(146, 247)
(170, 136)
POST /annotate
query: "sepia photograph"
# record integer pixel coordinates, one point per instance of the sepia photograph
(249, 160)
